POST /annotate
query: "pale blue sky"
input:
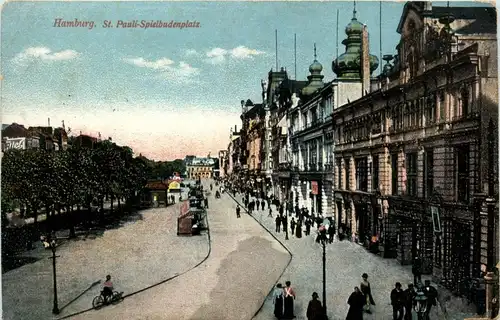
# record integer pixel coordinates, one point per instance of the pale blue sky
(165, 87)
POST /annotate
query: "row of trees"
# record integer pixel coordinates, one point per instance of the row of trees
(35, 180)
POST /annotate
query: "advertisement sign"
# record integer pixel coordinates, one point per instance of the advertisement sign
(314, 187)
(15, 143)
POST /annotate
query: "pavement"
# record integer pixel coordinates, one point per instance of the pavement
(143, 250)
(345, 263)
(244, 264)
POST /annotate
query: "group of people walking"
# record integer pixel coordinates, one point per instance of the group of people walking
(283, 299)
(403, 301)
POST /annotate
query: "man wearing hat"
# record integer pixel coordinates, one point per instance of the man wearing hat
(315, 310)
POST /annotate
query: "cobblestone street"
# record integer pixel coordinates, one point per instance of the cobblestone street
(346, 262)
(244, 264)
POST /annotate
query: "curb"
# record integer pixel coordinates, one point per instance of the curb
(161, 282)
(275, 238)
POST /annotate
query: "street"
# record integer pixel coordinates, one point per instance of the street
(244, 264)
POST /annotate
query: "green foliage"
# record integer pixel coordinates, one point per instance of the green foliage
(165, 169)
(76, 176)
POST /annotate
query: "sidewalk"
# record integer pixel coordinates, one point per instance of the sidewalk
(231, 284)
(345, 263)
(143, 251)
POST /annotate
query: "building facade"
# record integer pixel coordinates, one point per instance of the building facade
(416, 159)
(202, 168)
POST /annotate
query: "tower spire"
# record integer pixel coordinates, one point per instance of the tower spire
(315, 51)
(354, 11)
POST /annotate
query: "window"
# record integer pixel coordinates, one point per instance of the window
(347, 174)
(375, 171)
(430, 112)
(411, 174)
(376, 122)
(314, 116)
(441, 105)
(428, 173)
(464, 105)
(394, 165)
(362, 174)
(339, 174)
(462, 173)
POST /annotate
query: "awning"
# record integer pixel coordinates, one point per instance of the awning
(174, 185)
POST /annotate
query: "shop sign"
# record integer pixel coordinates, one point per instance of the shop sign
(314, 187)
(15, 143)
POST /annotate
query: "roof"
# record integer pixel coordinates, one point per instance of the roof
(257, 109)
(5, 125)
(485, 16)
(156, 185)
(294, 86)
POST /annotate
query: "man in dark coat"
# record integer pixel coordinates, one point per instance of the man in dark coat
(298, 232)
(292, 225)
(315, 310)
(263, 204)
(238, 212)
(281, 210)
(431, 294)
(278, 222)
(356, 301)
(308, 226)
(397, 301)
(285, 223)
(409, 295)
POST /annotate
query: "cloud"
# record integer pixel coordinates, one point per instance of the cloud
(191, 53)
(44, 54)
(168, 69)
(219, 55)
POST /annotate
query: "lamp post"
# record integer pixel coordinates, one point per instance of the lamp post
(420, 303)
(322, 238)
(52, 244)
(286, 217)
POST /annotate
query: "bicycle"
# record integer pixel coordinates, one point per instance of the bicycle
(101, 300)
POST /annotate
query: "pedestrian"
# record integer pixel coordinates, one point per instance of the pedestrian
(298, 229)
(409, 296)
(331, 232)
(356, 302)
(278, 222)
(285, 223)
(397, 302)
(417, 270)
(278, 300)
(289, 299)
(308, 226)
(367, 291)
(263, 204)
(206, 203)
(431, 294)
(238, 212)
(315, 310)
(281, 210)
(292, 225)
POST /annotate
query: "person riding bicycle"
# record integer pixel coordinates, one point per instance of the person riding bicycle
(107, 290)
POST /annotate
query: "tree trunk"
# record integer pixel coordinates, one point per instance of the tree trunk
(112, 197)
(119, 204)
(35, 217)
(72, 222)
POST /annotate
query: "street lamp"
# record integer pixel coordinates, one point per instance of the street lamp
(50, 241)
(322, 238)
(286, 217)
(420, 303)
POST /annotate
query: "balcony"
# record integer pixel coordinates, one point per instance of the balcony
(328, 167)
(284, 166)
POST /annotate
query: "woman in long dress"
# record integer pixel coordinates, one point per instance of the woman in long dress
(356, 302)
(278, 297)
(367, 291)
(289, 299)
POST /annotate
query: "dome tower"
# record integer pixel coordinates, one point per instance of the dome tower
(316, 78)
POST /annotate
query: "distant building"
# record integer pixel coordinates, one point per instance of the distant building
(200, 167)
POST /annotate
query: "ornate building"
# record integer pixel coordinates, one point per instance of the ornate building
(353, 69)
(416, 159)
(311, 144)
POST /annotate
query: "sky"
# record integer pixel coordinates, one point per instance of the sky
(166, 92)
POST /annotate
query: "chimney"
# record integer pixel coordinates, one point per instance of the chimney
(235, 129)
(48, 120)
(365, 61)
